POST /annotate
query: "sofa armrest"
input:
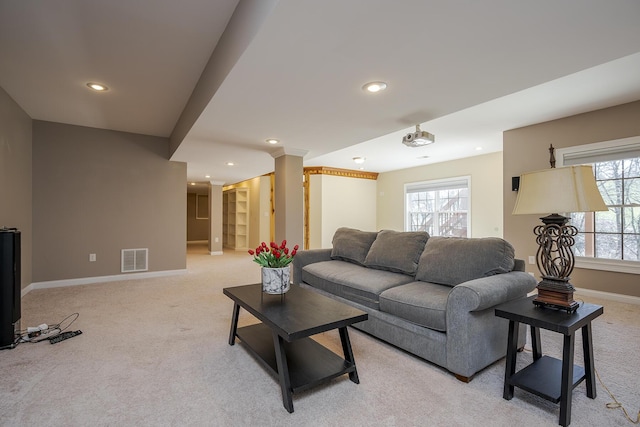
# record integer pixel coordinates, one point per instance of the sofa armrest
(306, 257)
(475, 336)
(480, 294)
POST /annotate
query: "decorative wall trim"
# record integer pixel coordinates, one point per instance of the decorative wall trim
(306, 187)
(349, 173)
(308, 171)
(100, 279)
(272, 201)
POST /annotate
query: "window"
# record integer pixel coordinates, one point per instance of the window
(610, 240)
(441, 208)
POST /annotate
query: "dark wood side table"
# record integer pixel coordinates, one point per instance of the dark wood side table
(547, 377)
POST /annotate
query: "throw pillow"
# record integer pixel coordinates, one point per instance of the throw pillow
(352, 245)
(397, 251)
(454, 260)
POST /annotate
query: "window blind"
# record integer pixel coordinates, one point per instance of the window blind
(449, 184)
(615, 150)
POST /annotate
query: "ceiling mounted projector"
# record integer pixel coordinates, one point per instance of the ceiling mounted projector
(418, 138)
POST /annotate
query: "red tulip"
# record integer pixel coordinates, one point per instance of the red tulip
(274, 255)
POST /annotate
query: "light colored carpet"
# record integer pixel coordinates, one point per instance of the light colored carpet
(154, 352)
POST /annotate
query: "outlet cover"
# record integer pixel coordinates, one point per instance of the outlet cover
(532, 259)
(92, 257)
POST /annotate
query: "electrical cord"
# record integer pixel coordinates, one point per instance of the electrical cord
(611, 405)
(59, 325)
(615, 404)
(50, 332)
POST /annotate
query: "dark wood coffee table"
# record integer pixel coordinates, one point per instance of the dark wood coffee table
(282, 341)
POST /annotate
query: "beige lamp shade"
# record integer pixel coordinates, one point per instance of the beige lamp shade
(559, 190)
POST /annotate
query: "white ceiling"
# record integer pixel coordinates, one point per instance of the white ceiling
(466, 70)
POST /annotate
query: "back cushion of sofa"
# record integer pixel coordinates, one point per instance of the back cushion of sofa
(352, 245)
(397, 251)
(454, 260)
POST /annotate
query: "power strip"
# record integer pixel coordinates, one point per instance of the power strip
(45, 335)
(63, 336)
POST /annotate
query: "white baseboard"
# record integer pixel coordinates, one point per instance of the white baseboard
(99, 279)
(216, 253)
(629, 299)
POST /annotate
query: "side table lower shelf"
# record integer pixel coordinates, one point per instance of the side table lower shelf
(309, 362)
(544, 378)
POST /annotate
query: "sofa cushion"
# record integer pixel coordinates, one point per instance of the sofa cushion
(352, 245)
(397, 251)
(353, 282)
(421, 303)
(454, 260)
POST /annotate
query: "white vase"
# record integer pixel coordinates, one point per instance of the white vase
(275, 280)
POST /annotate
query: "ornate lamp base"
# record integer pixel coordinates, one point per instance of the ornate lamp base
(556, 293)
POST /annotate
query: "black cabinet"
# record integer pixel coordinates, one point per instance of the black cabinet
(10, 289)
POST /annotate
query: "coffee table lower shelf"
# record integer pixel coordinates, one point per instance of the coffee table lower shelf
(544, 378)
(309, 362)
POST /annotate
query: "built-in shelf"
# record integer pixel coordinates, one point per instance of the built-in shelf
(235, 218)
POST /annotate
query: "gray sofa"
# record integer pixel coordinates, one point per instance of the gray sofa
(431, 296)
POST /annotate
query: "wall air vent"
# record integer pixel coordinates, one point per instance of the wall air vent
(134, 260)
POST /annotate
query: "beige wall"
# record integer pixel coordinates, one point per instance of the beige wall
(197, 228)
(486, 200)
(15, 177)
(526, 149)
(289, 199)
(337, 201)
(99, 191)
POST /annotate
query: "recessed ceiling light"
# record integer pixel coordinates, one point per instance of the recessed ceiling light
(98, 87)
(230, 164)
(359, 160)
(207, 176)
(272, 141)
(478, 148)
(374, 87)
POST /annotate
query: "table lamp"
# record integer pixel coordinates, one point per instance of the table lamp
(565, 190)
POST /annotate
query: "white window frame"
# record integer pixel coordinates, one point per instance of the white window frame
(601, 151)
(438, 184)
